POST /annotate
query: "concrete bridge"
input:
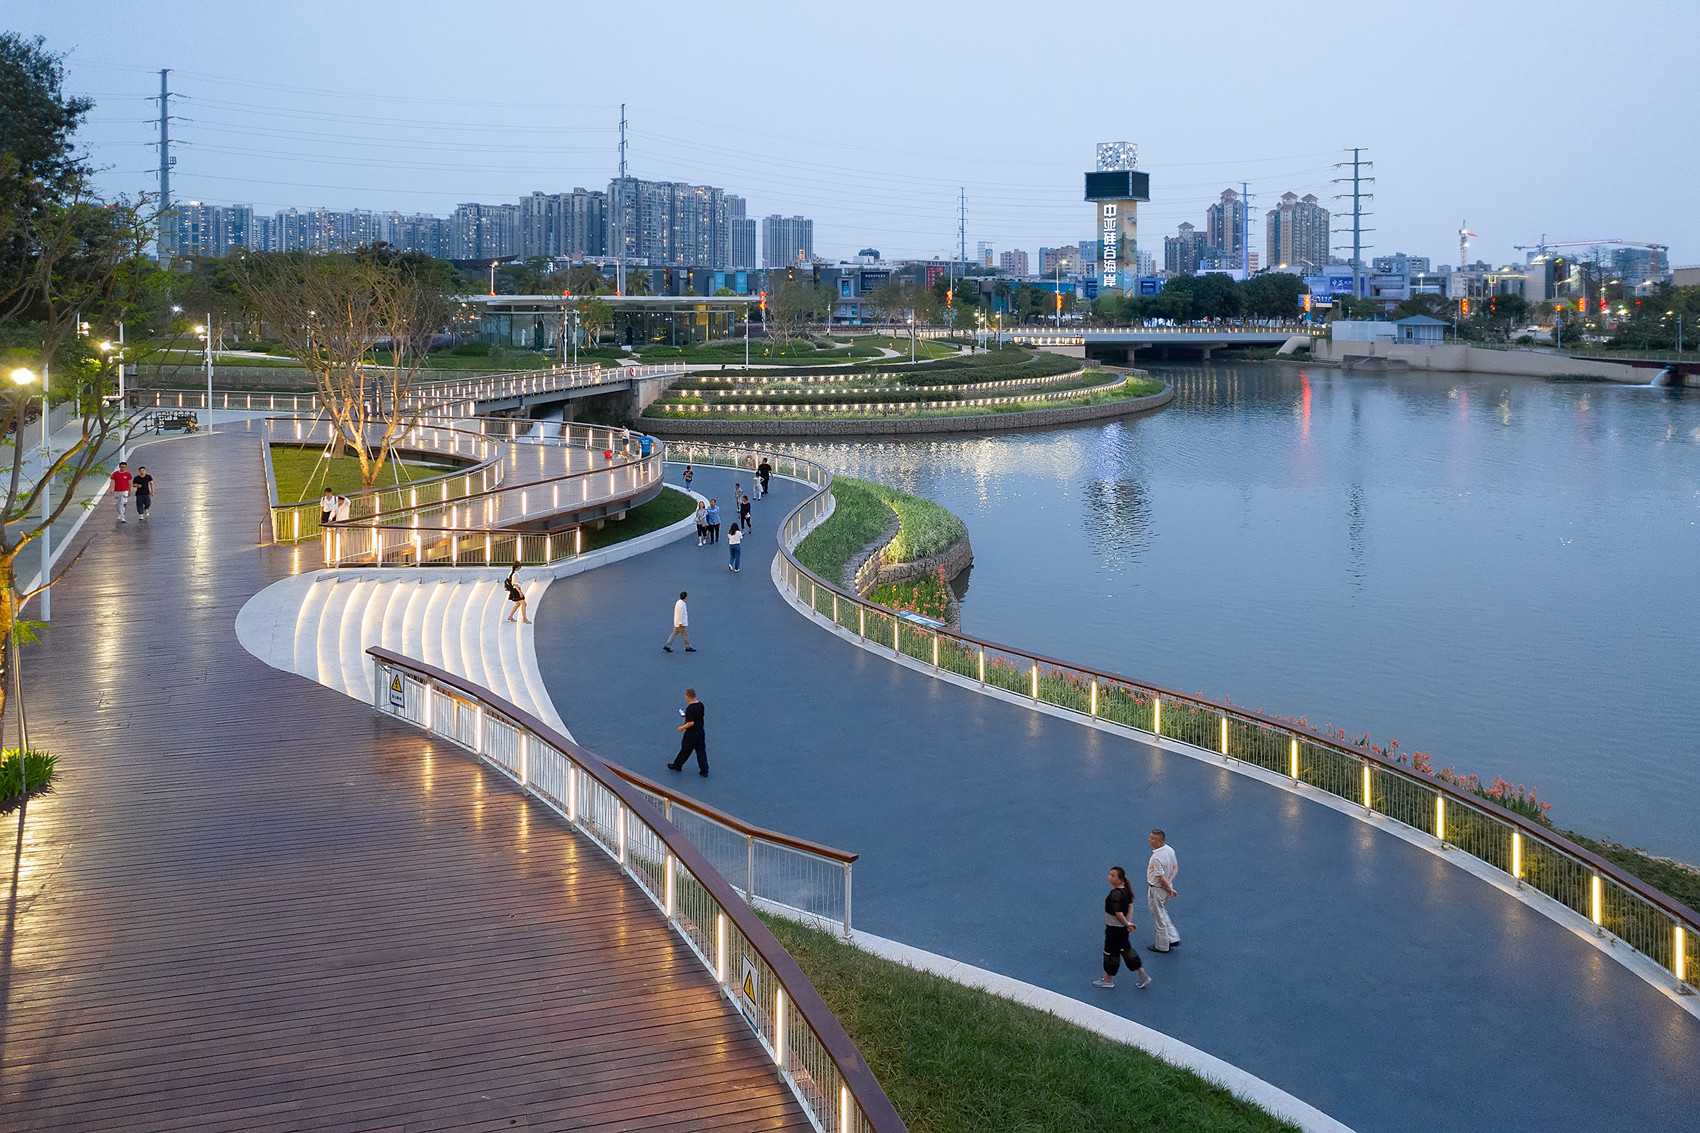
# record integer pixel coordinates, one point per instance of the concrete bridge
(1109, 342)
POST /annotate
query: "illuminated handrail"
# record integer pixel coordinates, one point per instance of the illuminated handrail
(1651, 922)
(811, 1052)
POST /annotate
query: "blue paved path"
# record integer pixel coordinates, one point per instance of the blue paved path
(1354, 970)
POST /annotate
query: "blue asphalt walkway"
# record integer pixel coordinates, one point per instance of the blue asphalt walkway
(1354, 970)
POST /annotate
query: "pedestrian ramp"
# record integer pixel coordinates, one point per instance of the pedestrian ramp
(319, 626)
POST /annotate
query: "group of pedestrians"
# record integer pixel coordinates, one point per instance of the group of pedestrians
(125, 484)
(333, 508)
(708, 517)
(1160, 874)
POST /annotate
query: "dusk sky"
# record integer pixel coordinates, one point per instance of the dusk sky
(1565, 117)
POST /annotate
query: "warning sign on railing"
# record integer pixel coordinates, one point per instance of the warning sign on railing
(398, 698)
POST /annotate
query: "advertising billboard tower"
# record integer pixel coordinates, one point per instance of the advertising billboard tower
(1114, 189)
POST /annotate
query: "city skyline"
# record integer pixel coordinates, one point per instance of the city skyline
(319, 131)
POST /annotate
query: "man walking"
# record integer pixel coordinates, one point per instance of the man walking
(764, 471)
(681, 625)
(1160, 875)
(1117, 924)
(692, 737)
(142, 485)
(121, 490)
(713, 517)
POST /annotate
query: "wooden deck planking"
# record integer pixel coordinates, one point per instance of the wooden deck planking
(254, 903)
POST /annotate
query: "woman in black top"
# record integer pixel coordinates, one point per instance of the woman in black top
(744, 512)
(1117, 924)
(516, 596)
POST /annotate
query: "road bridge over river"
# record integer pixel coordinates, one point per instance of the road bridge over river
(1204, 339)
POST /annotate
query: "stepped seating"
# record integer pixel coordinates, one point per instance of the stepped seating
(320, 626)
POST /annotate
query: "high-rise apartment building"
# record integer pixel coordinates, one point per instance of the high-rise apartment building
(741, 231)
(1182, 253)
(422, 233)
(1638, 266)
(1223, 226)
(786, 240)
(1147, 264)
(673, 224)
(1013, 263)
(1297, 232)
(569, 225)
(484, 232)
(193, 228)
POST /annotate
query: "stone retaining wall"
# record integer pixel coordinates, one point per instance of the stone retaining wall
(865, 426)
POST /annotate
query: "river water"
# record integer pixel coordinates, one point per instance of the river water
(1499, 571)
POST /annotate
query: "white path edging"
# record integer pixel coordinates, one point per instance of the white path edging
(1563, 915)
(1241, 1084)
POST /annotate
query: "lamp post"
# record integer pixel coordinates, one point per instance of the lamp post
(1678, 335)
(205, 332)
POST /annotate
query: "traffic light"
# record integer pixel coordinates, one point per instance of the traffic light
(948, 294)
(764, 302)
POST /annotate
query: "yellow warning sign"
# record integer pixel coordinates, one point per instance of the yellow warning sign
(751, 985)
(397, 697)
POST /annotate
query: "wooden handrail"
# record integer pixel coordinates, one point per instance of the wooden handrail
(843, 857)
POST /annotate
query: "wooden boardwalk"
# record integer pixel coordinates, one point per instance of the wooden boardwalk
(254, 904)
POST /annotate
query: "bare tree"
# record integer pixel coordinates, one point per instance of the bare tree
(337, 314)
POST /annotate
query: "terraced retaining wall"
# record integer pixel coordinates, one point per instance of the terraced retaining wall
(867, 426)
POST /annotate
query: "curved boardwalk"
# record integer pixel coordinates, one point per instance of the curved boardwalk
(1360, 973)
(254, 904)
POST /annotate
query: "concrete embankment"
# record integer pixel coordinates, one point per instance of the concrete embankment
(1465, 359)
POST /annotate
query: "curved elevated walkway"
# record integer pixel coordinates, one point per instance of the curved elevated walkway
(255, 904)
(1361, 973)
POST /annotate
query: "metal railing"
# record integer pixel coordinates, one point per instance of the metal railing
(480, 529)
(223, 399)
(806, 880)
(1651, 922)
(810, 1050)
(298, 521)
(501, 387)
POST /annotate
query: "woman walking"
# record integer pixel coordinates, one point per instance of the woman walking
(1117, 924)
(516, 596)
(735, 541)
(702, 523)
(744, 512)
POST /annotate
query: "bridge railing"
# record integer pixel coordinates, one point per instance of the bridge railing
(486, 528)
(240, 400)
(737, 402)
(810, 1050)
(481, 470)
(1617, 903)
(505, 386)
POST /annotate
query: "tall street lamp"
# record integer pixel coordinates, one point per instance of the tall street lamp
(205, 332)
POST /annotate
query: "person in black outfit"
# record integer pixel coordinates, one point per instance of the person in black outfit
(516, 596)
(744, 513)
(142, 486)
(764, 470)
(1117, 924)
(693, 739)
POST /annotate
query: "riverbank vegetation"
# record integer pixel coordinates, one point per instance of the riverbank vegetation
(863, 512)
(956, 1059)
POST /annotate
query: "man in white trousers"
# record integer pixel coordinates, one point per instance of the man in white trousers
(1160, 874)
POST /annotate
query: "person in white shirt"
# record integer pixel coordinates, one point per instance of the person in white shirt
(1160, 874)
(681, 625)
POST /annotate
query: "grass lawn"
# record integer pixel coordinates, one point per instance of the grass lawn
(301, 475)
(669, 507)
(958, 1060)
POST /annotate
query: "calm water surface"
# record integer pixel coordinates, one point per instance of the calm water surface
(1499, 571)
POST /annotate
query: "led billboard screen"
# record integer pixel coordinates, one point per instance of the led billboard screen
(1118, 185)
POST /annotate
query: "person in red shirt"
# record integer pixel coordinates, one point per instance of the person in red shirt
(121, 490)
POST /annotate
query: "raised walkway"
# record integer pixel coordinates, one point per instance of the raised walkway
(1363, 974)
(253, 903)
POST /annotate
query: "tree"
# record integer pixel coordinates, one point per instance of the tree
(332, 312)
(637, 282)
(596, 314)
(585, 279)
(1433, 306)
(1273, 295)
(66, 259)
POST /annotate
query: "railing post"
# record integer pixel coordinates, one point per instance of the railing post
(750, 870)
(847, 866)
